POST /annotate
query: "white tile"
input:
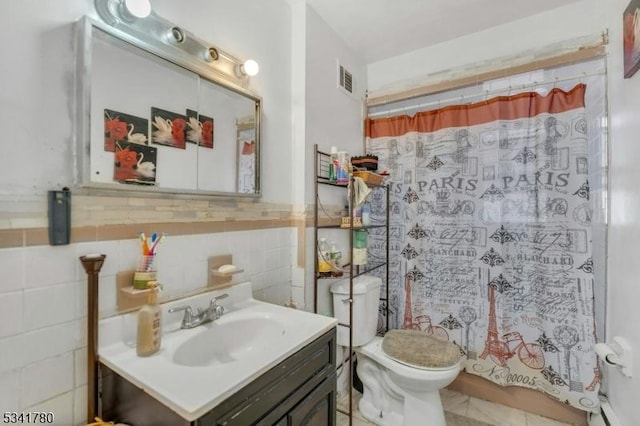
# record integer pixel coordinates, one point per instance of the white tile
(237, 242)
(46, 379)
(173, 282)
(258, 281)
(214, 244)
(284, 237)
(259, 295)
(46, 306)
(49, 265)
(195, 274)
(51, 341)
(128, 254)
(107, 302)
(12, 353)
(9, 398)
(11, 310)
(278, 294)
(269, 238)
(297, 296)
(495, 414)
(81, 299)
(271, 259)
(80, 406)
(80, 365)
(284, 256)
(256, 262)
(12, 265)
(60, 406)
(171, 252)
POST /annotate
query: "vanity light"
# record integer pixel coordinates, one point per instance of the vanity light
(136, 19)
(176, 35)
(116, 11)
(249, 67)
(138, 8)
(211, 54)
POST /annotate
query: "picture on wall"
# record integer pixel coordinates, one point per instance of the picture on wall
(119, 126)
(631, 38)
(135, 163)
(199, 129)
(170, 128)
(194, 127)
(207, 131)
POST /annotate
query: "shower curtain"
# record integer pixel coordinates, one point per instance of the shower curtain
(491, 238)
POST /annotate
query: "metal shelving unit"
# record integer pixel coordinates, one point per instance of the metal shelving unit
(321, 173)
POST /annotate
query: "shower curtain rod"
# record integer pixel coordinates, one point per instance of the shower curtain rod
(486, 93)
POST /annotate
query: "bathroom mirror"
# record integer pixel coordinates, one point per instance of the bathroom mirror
(153, 119)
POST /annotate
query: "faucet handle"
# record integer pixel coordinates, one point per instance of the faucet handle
(188, 312)
(216, 310)
(215, 299)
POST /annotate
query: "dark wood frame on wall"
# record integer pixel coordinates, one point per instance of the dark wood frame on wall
(631, 38)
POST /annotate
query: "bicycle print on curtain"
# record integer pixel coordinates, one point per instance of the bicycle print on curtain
(490, 229)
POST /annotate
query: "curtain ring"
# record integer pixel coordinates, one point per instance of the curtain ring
(555, 83)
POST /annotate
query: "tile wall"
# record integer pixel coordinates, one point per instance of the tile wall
(43, 304)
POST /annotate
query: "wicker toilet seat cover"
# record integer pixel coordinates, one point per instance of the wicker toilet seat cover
(420, 349)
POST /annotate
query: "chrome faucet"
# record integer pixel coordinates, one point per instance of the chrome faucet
(193, 318)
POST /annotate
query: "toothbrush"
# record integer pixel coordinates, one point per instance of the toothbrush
(145, 246)
(155, 244)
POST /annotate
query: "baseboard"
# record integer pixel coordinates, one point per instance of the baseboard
(517, 397)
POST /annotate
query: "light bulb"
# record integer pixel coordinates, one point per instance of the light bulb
(138, 8)
(250, 67)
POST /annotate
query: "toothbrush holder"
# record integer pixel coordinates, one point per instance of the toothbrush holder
(145, 272)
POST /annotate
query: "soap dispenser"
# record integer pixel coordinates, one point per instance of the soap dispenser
(149, 323)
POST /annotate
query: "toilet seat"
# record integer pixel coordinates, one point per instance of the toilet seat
(373, 350)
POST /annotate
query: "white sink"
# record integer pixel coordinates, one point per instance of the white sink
(198, 368)
(231, 338)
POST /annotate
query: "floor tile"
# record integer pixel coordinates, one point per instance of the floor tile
(536, 420)
(495, 414)
(454, 402)
(457, 420)
(343, 420)
(461, 410)
(343, 404)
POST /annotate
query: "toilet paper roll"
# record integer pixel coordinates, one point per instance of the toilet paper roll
(606, 353)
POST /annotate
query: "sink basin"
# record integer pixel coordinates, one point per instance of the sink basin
(228, 340)
(198, 368)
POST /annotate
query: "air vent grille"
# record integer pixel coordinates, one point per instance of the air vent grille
(345, 79)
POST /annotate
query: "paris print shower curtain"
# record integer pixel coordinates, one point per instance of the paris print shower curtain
(490, 236)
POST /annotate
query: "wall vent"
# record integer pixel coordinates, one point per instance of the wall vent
(345, 79)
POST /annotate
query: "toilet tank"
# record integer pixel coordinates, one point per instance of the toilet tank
(366, 298)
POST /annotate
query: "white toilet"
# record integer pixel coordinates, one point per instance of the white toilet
(396, 393)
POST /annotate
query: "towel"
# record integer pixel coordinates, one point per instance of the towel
(360, 191)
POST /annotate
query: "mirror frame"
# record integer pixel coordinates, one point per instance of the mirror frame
(84, 29)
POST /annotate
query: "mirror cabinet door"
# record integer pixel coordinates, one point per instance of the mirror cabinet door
(156, 126)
